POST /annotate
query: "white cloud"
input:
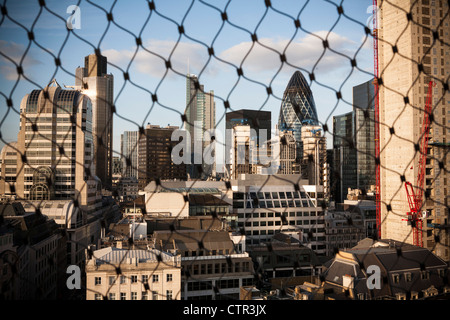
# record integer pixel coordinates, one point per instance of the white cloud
(263, 58)
(303, 53)
(12, 51)
(152, 61)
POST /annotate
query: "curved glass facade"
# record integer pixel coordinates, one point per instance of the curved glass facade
(297, 107)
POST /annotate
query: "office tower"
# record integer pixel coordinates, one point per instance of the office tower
(247, 156)
(314, 157)
(200, 117)
(297, 108)
(364, 117)
(288, 153)
(8, 170)
(117, 166)
(129, 143)
(241, 151)
(155, 156)
(269, 204)
(259, 123)
(344, 157)
(56, 140)
(93, 80)
(421, 54)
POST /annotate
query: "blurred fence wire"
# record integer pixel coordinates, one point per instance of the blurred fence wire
(433, 24)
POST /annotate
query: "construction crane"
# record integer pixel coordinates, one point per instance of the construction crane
(377, 119)
(415, 198)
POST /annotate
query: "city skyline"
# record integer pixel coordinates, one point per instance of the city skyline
(147, 69)
(224, 150)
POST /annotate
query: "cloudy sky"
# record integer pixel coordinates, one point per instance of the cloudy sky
(231, 40)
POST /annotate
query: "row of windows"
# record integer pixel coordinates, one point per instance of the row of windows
(408, 276)
(134, 296)
(216, 268)
(249, 215)
(133, 279)
(279, 223)
(272, 232)
(276, 195)
(221, 284)
(251, 204)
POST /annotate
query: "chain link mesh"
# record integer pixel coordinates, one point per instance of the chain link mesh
(29, 18)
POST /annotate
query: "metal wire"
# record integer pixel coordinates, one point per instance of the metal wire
(155, 97)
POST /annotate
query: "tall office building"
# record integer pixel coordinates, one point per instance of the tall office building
(314, 157)
(200, 117)
(421, 54)
(8, 170)
(56, 139)
(259, 123)
(93, 80)
(364, 119)
(155, 156)
(344, 156)
(297, 108)
(129, 144)
(288, 153)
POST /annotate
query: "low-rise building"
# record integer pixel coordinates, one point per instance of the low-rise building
(385, 270)
(133, 274)
(348, 223)
(29, 251)
(284, 262)
(213, 268)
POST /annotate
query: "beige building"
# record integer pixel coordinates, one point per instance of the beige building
(314, 157)
(144, 275)
(56, 138)
(214, 271)
(411, 53)
(94, 82)
(8, 170)
(288, 153)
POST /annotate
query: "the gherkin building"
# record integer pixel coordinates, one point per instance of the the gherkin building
(297, 107)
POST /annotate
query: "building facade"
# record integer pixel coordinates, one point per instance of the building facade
(56, 137)
(364, 119)
(297, 107)
(425, 56)
(288, 153)
(8, 170)
(129, 144)
(155, 156)
(258, 121)
(31, 265)
(207, 273)
(145, 275)
(267, 205)
(200, 118)
(314, 159)
(94, 81)
(344, 156)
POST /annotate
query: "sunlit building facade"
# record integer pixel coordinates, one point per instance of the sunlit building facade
(56, 140)
(297, 108)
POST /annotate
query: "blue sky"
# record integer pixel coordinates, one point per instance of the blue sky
(203, 28)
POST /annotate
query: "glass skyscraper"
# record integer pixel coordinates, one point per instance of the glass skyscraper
(297, 107)
(364, 131)
(200, 117)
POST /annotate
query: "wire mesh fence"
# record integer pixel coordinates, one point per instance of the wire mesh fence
(59, 143)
